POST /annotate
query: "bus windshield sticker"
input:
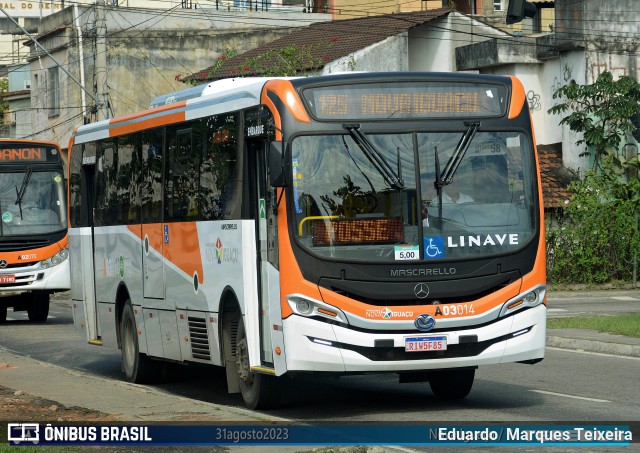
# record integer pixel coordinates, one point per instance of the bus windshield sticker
(405, 252)
(296, 176)
(434, 247)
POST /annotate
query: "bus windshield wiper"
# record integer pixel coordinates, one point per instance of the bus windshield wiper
(375, 157)
(23, 189)
(458, 154)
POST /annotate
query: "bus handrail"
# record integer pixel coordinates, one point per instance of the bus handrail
(314, 217)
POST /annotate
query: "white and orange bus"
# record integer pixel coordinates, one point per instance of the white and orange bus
(33, 231)
(279, 226)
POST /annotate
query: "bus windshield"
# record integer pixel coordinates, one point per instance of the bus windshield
(349, 206)
(32, 202)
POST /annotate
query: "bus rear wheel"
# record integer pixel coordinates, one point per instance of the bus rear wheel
(259, 391)
(137, 367)
(452, 384)
(38, 308)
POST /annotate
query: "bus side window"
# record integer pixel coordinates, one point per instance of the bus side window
(218, 191)
(128, 168)
(183, 172)
(106, 185)
(151, 182)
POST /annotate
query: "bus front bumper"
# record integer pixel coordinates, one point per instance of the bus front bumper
(26, 279)
(313, 345)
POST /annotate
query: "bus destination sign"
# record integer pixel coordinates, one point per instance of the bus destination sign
(15, 154)
(406, 100)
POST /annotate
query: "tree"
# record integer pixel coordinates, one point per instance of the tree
(601, 219)
(602, 111)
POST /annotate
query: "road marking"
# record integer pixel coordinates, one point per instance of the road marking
(564, 395)
(625, 298)
(556, 309)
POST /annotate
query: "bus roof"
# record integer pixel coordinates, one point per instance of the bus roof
(209, 99)
(216, 87)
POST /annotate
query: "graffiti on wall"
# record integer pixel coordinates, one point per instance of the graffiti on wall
(534, 101)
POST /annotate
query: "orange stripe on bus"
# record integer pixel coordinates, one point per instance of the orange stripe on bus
(291, 279)
(517, 98)
(154, 232)
(149, 123)
(285, 91)
(183, 248)
(373, 312)
(276, 114)
(34, 254)
(153, 111)
(539, 273)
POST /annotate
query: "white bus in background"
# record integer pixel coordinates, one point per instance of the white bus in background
(33, 230)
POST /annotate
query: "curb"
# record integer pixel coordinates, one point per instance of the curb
(598, 346)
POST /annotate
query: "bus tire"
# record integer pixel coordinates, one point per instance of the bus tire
(38, 308)
(137, 367)
(259, 391)
(452, 384)
(3, 314)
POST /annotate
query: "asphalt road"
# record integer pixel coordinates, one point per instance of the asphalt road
(567, 385)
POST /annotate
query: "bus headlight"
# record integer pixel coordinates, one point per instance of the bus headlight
(535, 296)
(56, 259)
(307, 307)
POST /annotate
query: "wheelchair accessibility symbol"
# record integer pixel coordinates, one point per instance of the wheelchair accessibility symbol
(433, 247)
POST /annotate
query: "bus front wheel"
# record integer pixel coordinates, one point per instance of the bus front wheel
(259, 391)
(137, 367)
(452, 384)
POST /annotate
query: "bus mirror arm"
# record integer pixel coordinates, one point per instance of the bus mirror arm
(277, 164)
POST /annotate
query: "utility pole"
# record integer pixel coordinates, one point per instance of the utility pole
(101, 62)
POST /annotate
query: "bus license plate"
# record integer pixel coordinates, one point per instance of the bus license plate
(422, 344)
(7, 278)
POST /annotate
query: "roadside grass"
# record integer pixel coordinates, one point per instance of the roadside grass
(628, 325)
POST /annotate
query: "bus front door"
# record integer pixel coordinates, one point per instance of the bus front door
(268, 312)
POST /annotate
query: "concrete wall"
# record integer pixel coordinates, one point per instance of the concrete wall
(432, 47)
(146, 51)
(388, 55)
(594, 36)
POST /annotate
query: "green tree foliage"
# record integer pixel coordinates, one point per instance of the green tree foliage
(601, 111)
(597, 239)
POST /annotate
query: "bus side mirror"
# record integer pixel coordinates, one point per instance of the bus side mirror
(277, 165)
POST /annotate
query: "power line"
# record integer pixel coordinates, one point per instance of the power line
(506, 39)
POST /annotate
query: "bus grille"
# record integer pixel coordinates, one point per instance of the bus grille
(199, 338)
(22, 244)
